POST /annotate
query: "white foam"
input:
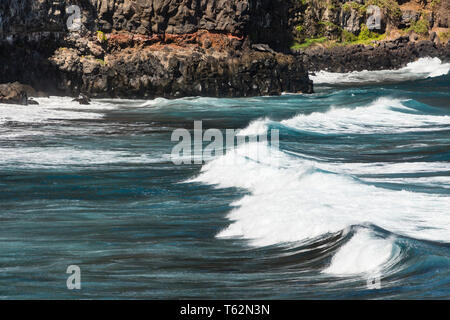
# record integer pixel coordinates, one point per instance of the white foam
(255, 128)
(421, 69)
(385, 167)
(54, 157)
(290, 201)
(294, 195)
(364, 253)
(52, 109)
(382, 116)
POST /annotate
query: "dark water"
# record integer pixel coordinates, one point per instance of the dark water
(359, 189)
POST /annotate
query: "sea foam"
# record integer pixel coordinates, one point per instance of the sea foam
(420, 69)
(293, 199)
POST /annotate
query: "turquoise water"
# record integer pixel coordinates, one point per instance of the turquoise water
(359, 189)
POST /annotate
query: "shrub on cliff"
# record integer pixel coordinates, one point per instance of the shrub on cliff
(420, 27)
(101, 37)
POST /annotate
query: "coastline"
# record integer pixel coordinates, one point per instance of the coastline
(234, 49)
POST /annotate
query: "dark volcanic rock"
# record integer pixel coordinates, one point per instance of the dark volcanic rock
(150, 48)
(13, 93)
(182, 71)
(32, 102)
(384, 55)
(264, 21)
(442, 13)
(173, 48)
(83, 99)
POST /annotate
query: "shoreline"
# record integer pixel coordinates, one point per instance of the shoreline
(181, 71)
(238, 48)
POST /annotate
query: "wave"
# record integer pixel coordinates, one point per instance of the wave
(420, 69)
(364, 253)
(384, 115)
(292, 198)
(295, 201)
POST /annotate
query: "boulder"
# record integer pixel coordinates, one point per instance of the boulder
(83, 99)
(13, 93)
(263, 48)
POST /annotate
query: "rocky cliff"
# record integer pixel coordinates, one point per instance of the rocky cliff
(171, 48)
(358, 35)
(147, 48)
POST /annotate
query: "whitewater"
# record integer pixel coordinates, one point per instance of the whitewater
(357, 188)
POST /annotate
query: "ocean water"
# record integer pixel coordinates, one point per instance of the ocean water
(354, 202)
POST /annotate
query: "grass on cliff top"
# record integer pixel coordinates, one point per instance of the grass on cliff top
(308, 42)
(365, 37)
(420, 27)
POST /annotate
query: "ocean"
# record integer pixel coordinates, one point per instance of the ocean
(352, 203)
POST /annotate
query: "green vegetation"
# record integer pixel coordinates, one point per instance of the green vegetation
(365, 33)
(101, 61)
(420, 27)
(328, 24)
(435, 3)
(308, 42)
(348, 6)
(328, 34)
(348, 37)
(365, 37)
(101, 37)
(299, 28)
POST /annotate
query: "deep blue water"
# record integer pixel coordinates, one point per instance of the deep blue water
(360, 188)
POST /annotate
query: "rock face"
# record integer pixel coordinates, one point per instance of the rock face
(442, 13)
(172, 48)
(386, 55)
(264, 20)
(205, 67)
(148, 48)
(335, 19)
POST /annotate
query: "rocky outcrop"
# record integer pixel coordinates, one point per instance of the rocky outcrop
(385, 55)
(264, 21)
(209, 66)
(172, 48)
(150, 48)
(13, 94)
(343, 20)
(83, 99)
(17, 93)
